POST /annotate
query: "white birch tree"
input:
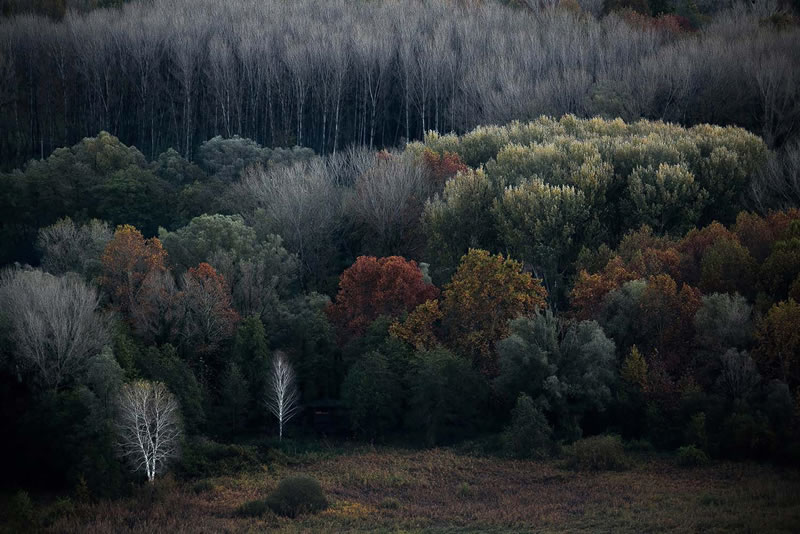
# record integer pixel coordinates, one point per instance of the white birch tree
(282, 395)
(149, 428)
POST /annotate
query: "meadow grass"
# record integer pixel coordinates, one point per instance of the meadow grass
(440, 490)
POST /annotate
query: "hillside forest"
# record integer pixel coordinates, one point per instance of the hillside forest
(507, 228)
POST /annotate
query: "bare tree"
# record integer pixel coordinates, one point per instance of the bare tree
(56, 324)
(68, 247)
(389, 197)
(282, 395)
(149, 427)
(300, 203)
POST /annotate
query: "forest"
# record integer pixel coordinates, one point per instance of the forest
(360, 265)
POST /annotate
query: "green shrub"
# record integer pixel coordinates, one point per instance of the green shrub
(20, 510)
(465, 490)
(597, 453)
(297, 495)
(691, 456)
(258, 508)
(202, 486)
(205, 458)
(390, 503)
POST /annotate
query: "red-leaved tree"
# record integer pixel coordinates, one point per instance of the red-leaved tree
(372, 287)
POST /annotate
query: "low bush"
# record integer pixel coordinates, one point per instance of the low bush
(202, 486)
(390, 503)
(597, 453)
(205, 458)
(297, 495)
(21, 512)
(691, 456)
(257, 508)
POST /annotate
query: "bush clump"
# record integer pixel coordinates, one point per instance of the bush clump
(691, 456)
(597, 453)
(297, 495)
(257, 508)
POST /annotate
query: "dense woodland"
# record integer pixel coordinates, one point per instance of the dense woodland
(516, 286)
(327, 75)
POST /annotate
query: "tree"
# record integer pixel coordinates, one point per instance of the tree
(55, 323)
(389, 197)
(207, 318)
(723, 322)
(372, 287)
(148, 427)
(372, 394)
(283, 399)
(127, 260)
(484, 294)
(300, 203)
(666, 198)
(529, 435)
(458, 220)
(543, 225)
(68, 247)
(447, 396)
(567, 369)
(778, 351)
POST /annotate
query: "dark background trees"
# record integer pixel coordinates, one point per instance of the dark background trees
(330, 74)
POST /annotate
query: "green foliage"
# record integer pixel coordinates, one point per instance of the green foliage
(202, 458)
(568, 370)
(691, 456)
(723, 321)
(164, 365)
(257, 508)
(597, 453)
(448, 397)
(372, 394)
(458, 220)
(529, 435)
(543, 225)
(21, 511)
(297, 495)
(666, 198)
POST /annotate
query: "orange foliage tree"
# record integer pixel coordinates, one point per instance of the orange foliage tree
(443, 166)
(372, 287)
(485, 293)
(126, 261)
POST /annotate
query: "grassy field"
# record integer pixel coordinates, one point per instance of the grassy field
(439, 490)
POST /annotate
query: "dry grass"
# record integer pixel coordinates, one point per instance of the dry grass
(441, 491)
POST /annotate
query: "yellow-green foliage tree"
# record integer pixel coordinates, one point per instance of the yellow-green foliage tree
(485, 293)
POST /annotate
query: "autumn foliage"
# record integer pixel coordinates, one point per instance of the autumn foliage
(485, 293)
(443, 166)
(127, 260)
(373, 287)
(208, 316)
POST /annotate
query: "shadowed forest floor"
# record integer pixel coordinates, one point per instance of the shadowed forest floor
(439, 490)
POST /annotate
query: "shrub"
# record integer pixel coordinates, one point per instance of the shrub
(390, 503)
(205, 458)
(597, 453)
(297, 495)
(257, 508)
(20, 510)
(202, 486)
(465, 490)
(691, 456)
